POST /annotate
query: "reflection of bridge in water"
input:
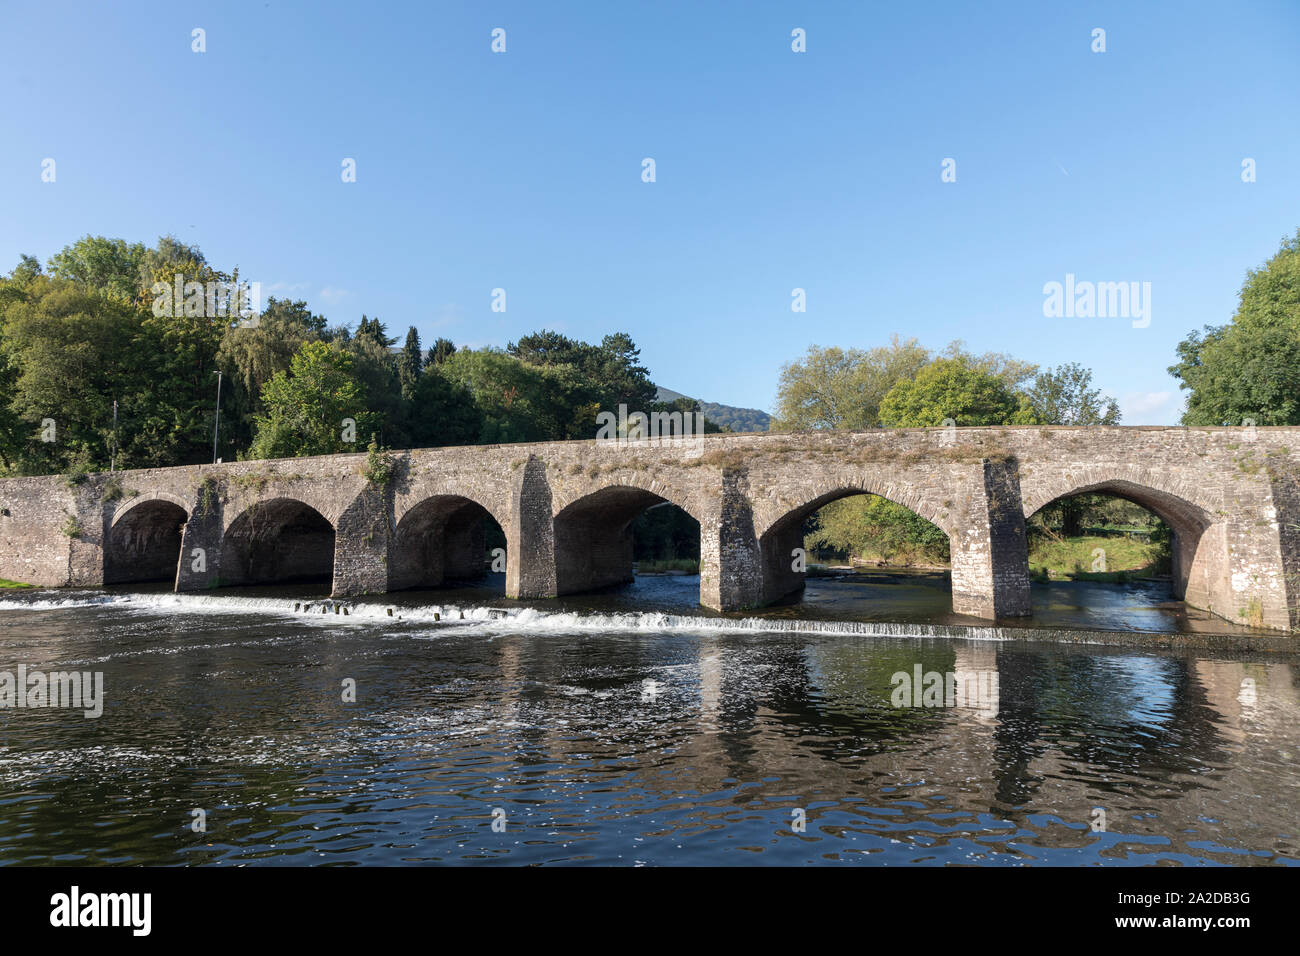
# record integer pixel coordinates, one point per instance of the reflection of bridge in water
(1170, 747)
(1231, 499)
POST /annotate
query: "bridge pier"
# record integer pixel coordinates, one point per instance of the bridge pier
(1247, 568)
(530, 537)
(199, 565)
(990, 558)
(361, 540)
(731, 561)
(1285, 488)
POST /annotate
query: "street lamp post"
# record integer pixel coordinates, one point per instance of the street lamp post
(216, 425)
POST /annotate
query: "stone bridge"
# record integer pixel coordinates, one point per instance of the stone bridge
(1230, 495)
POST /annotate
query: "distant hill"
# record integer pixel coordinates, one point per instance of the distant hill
(725, 416)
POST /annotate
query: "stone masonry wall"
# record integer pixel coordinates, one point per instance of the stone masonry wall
(1231, 497)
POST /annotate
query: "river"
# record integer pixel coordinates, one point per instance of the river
(633, 728)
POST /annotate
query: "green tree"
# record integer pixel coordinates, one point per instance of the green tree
(376, 368)
(843, 388)
(1013, 372)
(443, 412)
(1061, 396)
(410, 363)
(1250, 368)
(68, 351)
(29, 267)
(579, 379)
(511, 394)
(375, 331)
(306, 407)
(866, 526)
(111, 266)
(251, 354)
(954, 389)
(441, 351)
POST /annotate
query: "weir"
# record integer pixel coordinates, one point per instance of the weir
(1228, 494)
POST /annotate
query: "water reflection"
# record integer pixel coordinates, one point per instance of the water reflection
(632, 746)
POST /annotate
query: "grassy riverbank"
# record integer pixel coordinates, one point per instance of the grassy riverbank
(1067, 559)
(1096, 558)
(12, 584)
(679, 565)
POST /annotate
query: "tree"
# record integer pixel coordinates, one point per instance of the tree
(510, 394)
(871, 525)
(306, 407)
(95, 262)
(1061, 396)
(954, 389)
(250, 355)
(375, 331)
(376, 369)
(843, 388)
(186, 339)
(581, 379)
(441, 351)
(1250, 368)
(619, 374)
(29, 267)
(410, 363)
(68, 352)
(1012, 371)
(443, 413)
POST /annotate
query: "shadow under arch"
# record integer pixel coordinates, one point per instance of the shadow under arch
(1188, 524)
(440, 538)
(144, 542)
(593, 537)
(281, 540)
(778, 543)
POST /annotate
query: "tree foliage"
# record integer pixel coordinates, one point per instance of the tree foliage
(843, 388)
(310, 406)
(956, 390)
(871, 525)
(1249, 368)
(1061, 396)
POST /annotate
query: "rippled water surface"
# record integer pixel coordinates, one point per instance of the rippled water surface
(630, 728)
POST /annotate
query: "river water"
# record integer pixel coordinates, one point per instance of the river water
(632, 728)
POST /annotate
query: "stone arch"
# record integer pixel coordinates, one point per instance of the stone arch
(781, 528)
(593, 537)
(144, 539)
(405, 503)
(129, 504)
(570, 492)
(329, 502)
(278, 540)
(439, 537)
(1194, 528)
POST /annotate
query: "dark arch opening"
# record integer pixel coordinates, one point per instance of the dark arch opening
(599, 538)
(144, 544)
(851, 528)
(278, 542)
(1141, 532)
(443, 539)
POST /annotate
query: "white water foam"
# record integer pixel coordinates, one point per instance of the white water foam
(486, 619)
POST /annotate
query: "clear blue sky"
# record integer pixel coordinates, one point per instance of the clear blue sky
(775, 170)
